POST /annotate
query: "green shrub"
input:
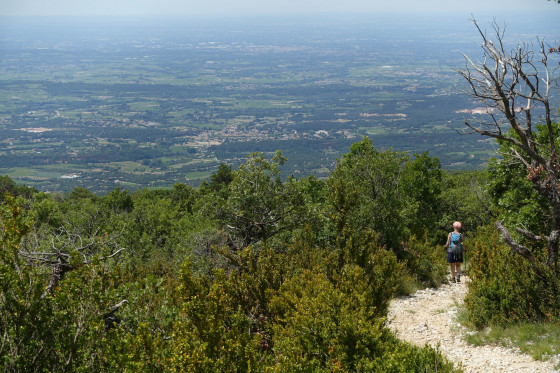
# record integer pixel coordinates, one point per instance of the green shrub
(504, 287)
(404, 357)
(328, 327)
(213, 334)
(426, 261)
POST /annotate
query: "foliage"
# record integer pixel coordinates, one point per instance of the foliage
(521, 205)
(523, 208)
(322, 328)
(255, 272)
(7, 185)
(96, 282)
(258, 204)
(381, 270)
(393, 196)
(58, 331)
(387, 192)
(213, 333)
(518, 88)
(464, 198)
(221, 178)
(504, 289)
(366, 192)
(328, 327)
(426, 262)
(22, 308)
(422, 180)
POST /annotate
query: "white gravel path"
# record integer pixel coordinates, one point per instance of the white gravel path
(429, 316)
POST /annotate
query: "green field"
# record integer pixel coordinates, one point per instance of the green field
(152, 114)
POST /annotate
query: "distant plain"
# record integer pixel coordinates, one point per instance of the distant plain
(144, 103)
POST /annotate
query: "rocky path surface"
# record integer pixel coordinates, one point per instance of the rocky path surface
(429, 316)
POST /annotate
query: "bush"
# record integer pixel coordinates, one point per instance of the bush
(426, 261)
(212, 334)
(504, 287)
(331, 327)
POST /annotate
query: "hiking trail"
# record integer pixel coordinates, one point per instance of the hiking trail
(429, 316)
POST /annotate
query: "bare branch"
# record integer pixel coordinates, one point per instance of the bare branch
(112, 255)
(501, 81)
(111, 320)
(528, 234)
(516, 154)
(521, 250)
(116, 307)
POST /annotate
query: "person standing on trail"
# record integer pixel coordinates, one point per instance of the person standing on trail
(455, 251)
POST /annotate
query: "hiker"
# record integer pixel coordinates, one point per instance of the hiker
(455, 251)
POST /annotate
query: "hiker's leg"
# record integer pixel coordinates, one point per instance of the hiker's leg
(451, 265)
(455, 271)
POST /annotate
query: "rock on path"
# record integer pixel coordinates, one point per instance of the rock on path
(428, 316)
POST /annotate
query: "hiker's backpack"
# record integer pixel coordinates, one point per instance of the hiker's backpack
(455, 243)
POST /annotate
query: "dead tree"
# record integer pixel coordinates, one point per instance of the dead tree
(63, 244)
(517, 87)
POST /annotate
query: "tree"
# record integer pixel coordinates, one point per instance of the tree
(258, 204)
(81, 235)
(388, 198)
(464, 198)
(422, 180)
(41, 330)
(221, 178)
(516, 87)
(367, 192)
(7, 185)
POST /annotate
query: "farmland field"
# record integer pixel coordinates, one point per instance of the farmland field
(138, 103)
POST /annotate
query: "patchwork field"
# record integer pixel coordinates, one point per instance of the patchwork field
(148, 104)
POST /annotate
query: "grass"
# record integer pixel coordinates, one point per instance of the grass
(539, 340)
(130, 166)
(375, 130)
(143, 105)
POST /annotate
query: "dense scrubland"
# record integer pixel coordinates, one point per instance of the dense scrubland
(254, 271)
(248, 272)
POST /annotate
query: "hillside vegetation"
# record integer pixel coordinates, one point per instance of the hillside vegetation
(253, 272)
(248, 272)
(244, 273)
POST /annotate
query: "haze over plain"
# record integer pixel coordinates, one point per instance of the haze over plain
(246, 7)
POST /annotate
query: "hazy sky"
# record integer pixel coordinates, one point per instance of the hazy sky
(237, 7)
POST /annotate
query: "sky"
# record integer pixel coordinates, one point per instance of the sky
(250, 7)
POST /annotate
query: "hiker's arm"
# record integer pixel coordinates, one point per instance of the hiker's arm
(448, 238)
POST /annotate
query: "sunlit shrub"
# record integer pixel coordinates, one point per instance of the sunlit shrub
(330, 327)
(504, 287)
(213, 334)
(426, 261)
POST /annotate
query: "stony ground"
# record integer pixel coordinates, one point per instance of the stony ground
(429, 316)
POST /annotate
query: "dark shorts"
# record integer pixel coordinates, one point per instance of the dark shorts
(454, 258)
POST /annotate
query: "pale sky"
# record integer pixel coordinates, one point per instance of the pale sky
(249, 7)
